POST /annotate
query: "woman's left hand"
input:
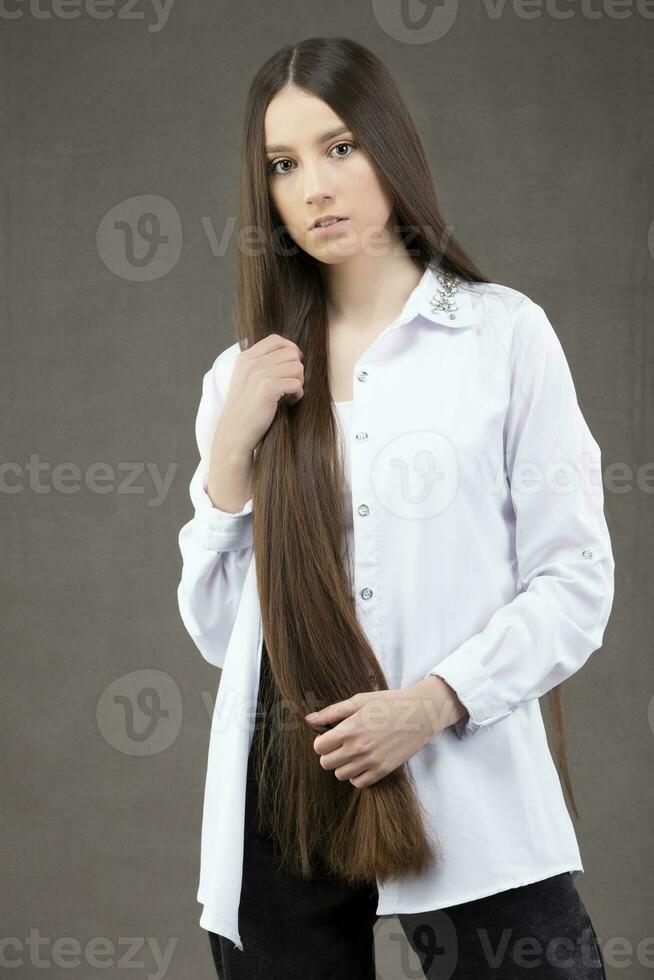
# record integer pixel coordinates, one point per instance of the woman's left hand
(377, 731)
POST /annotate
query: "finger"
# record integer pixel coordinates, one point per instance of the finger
(285, 355)
(328, 741)
(349, 770)
(332, 713)
(275, 342)
(367, 778)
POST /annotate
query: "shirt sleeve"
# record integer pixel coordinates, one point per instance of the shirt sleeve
(563, 549)
(216, 546)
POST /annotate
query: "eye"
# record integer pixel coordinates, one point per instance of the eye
(270, 169)
(344, 143)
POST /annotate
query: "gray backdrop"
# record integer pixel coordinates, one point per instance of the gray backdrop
(120, 138)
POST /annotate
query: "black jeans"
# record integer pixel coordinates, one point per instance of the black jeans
(538, 930)
(323, 929)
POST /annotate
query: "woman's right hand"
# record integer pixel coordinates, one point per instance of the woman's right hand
(262, 374)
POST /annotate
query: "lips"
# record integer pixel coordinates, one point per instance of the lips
(329, 218)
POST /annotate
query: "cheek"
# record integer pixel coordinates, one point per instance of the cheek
(371, 202)
(287, 206)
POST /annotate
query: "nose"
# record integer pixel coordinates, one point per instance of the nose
(317, 203)
(317, 190)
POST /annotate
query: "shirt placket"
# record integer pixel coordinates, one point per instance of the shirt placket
(367, 516)
(365, 510)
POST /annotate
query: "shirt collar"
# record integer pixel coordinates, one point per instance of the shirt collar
(441, 297)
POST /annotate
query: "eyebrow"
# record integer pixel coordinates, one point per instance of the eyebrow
(279, 147)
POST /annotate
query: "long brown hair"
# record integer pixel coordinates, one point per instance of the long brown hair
(316, 647)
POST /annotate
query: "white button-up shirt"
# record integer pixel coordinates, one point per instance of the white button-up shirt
(480, 552)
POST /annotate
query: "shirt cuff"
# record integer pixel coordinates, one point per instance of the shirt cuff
(219, 530)
(475, 689)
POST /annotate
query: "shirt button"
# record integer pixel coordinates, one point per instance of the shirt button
(362, 375)
(587, 553)
(364, 510)
(366, 593)
(360, 436)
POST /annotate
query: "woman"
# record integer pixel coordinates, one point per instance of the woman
(398, 442)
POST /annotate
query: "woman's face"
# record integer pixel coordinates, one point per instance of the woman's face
(315, 168)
